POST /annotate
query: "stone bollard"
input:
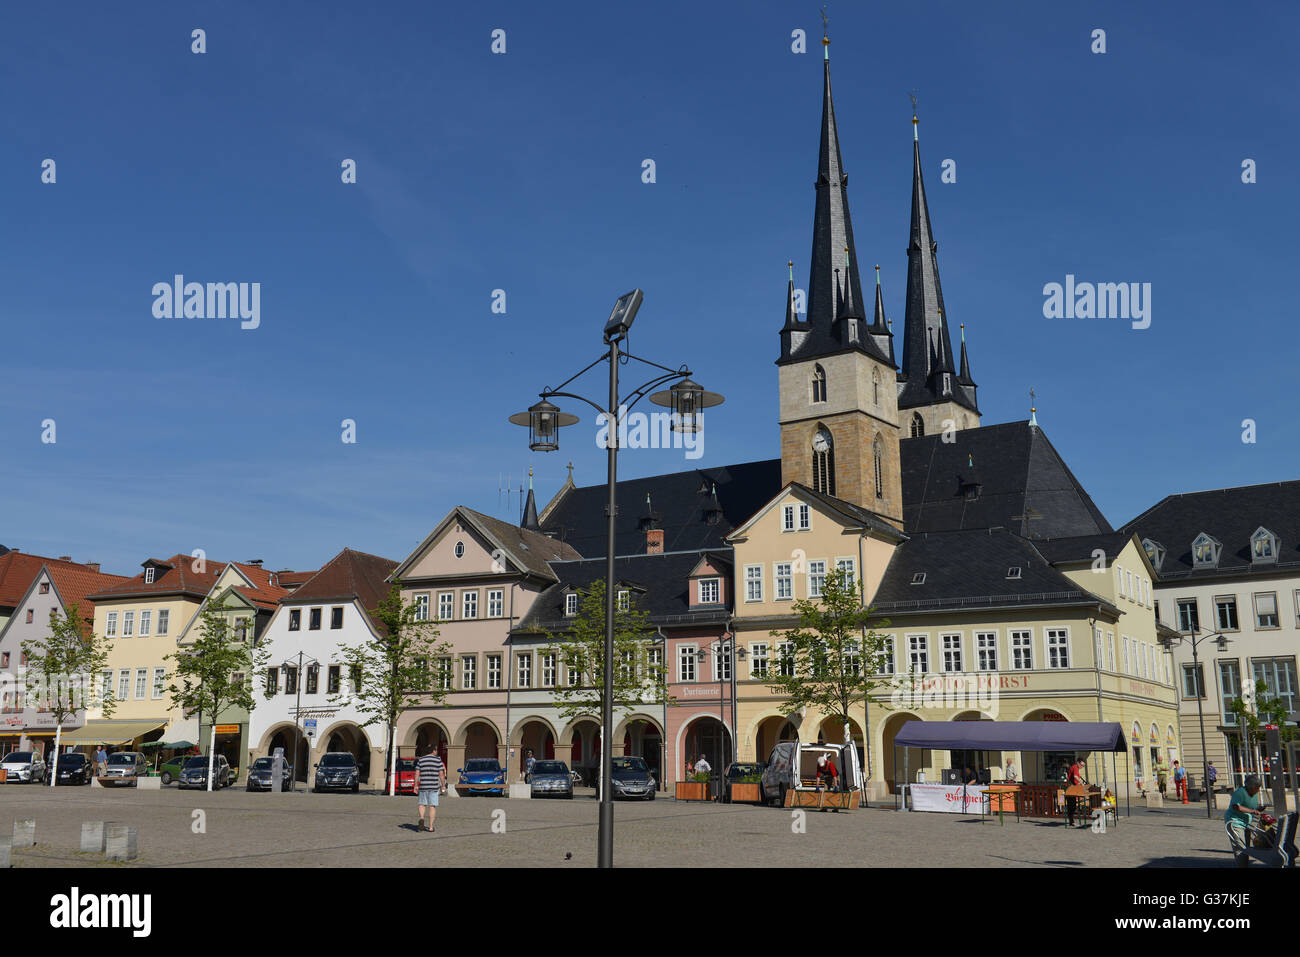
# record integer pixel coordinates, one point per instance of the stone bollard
(24, 834)
(92, 837)
(518, 791)
(6, 855)
(1155, 799)
(149, 784)
(120, 843)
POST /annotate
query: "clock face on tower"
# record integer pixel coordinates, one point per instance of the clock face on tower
(819, 442)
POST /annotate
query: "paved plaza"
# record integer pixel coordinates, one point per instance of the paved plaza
(371, 830)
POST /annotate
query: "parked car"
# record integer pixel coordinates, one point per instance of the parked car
(407, 778)
(171, 768)
(794, 765)
(195, 772)
(124, 767)
(24, 766)
(482, 771)
(741, 769)
(259, 775)
(631, 778)
(337, 771)
(74, 769)
(551, 779)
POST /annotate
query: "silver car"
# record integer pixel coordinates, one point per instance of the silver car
(24, 766)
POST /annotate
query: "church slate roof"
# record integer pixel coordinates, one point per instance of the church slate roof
(1082, 548)
(1231, 515)
(1016, 468)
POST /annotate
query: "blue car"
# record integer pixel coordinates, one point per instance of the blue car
(481, 771)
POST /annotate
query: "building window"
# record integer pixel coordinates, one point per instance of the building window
(570, 604)
(1058, 648)
(469, 672)
(1279, 677)
(722, 662)
(313, 620)
(496, 603)
(1297, 607)
(753, 583)
(1188, 618)
(1193, 681)
(849, 568)
(626, 666)
(885, 661)
(45, 588)
(336, 618)
(105, 678)
(141, 681)
(818, 384)
(332, 679)
(785, 651)
(124, 684)
(986, 650)
(444, 674)
(918, 425)
(146, 622)
(816, 578)
(446, 605)
(290, 680)
(758, 660)
(1266, 610)
(241, 629)
(709, 591)
(313, 679)
(1110, 651)
(1099, 653)
(110, 624)
(1225, 609)
(951, 652)
(422, 607)
(918, 651)
(459, 550)
(295, 620)
(469, 604)
(624, 600)
(548, 669)
(655, 664)
(1022, 651)
(1230, 689)
(272, 681)
(787, 519)
(686, 662)
(159, 679)
(875, 387)
(878, 466)
(148, 575)
(30, 616)
(164, 617)
(524, 669)
(784, 581)
(575, 679)
(1263, 546)
(494, 671)
(805, 518)
(823, 463)
(128, 624)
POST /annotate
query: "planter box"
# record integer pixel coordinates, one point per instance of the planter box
(742, 793)
(833, 800)
(691, 791)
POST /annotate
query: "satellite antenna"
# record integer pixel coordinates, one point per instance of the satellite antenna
(506, 492)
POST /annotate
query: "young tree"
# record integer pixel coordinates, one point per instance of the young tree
(62, 669)
(832, 660)
(392, 671)
(580, 649)
(1266, 711)
(203, 673)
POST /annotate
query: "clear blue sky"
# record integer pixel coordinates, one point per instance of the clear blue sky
(522, 172)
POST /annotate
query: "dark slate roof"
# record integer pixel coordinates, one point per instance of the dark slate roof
(1230, 515)
(1017, 468)
(681, 500)
(854, 512)
(967, 570)
(533, 550)
(664, 578)
(1080, 548)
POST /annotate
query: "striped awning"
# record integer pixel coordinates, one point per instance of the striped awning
(111, 731)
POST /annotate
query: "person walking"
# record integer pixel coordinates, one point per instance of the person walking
(1180, 782)
(101, 761)
(528, 766)
(432, 776)
(1211, 776)
(1162, 775)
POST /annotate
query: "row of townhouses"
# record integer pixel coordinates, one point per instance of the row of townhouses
(1002, 583)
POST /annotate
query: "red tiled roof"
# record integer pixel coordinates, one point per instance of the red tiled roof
(174, 576)
(263, 593)
(73, 585)
(289, 579)
(18, 570)
(349, 574)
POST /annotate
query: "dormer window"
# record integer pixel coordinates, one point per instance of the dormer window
(571, 604)
(818, 384)
(1013, 571)
(1205, 551)
(1155, 553)
(710, 591)
(148, 575)
(1263, 546)
(918, 578)
(624, 599)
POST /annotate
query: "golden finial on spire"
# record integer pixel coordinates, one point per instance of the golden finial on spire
(915, 121)
(790, 263)
(826, 34)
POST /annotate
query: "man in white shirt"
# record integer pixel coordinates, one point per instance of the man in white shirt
(1011, 774)
(702, 766)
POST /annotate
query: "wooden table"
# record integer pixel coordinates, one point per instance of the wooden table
(1002, 792)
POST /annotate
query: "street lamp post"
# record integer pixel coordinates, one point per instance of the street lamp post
(1191, 637)
(544, 421)
(297, 718)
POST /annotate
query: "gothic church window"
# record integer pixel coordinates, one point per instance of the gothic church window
(823, 462)
(877, 458)
(819, 384)
(875, 387)
(918, 425)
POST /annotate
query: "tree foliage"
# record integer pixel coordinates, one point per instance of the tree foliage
(214, 672)
(62, 667)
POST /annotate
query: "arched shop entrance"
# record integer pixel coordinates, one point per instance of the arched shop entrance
(1047, 767)
(892, 759)
(709, 737)
(771, 732)
(644, 739)
(350, 738)
(430, 732)
(481, 741)
(536, 736)
(977, 761)
(832, 732)
(584, 752)
(289, 738)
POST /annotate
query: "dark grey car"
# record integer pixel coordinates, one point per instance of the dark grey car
(551, 779)
(259, 775)
(632, 779)
(195, 773)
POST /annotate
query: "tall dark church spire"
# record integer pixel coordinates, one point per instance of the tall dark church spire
(928, 376)
(834, 286)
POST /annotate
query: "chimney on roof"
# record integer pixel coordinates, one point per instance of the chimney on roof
(275, 581)
(654, 541)
(93, 566)
(256, 562)
(65, 558)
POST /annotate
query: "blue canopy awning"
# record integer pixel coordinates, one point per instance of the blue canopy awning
(1013, 735)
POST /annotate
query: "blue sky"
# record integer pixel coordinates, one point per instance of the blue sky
(522, 172)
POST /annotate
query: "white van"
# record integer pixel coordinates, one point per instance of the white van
(793, 766)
